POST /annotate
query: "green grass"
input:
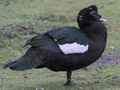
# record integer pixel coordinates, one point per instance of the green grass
(37, 16)
(95, 79)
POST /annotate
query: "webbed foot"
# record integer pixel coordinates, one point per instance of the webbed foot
(70, 83)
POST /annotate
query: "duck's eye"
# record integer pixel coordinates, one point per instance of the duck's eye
(90, 8)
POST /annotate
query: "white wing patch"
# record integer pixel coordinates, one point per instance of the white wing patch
(73, 48)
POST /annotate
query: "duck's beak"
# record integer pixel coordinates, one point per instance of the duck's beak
(97, 16)
(102, 20)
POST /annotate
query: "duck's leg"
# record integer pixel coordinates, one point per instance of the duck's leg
(69, 73)
(69, 82)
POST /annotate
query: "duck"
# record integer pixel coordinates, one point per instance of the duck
(66, 48)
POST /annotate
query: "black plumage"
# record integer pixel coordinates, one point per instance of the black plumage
(66, 48)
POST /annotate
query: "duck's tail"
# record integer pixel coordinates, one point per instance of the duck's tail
(30, 60)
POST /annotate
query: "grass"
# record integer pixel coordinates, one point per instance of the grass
(95, 79)
(33, 17)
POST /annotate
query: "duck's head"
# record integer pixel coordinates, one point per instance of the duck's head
(89, 15)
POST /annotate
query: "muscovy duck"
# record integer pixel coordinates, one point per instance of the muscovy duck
(66, 48)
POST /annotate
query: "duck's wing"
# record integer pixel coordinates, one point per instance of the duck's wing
(44, 42)
(70, 40)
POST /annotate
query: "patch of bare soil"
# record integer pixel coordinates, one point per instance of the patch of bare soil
(105, 60)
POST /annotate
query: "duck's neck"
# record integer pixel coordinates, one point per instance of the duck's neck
(82, 26)
(96, 31)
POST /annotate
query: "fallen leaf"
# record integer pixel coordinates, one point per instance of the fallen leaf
(80, 88)
(29, 72)
(112, 47)
(19, 53)
(39, 88)
(25, 76)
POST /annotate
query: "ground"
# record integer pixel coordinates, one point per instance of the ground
(105, 60)
(24, 19)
